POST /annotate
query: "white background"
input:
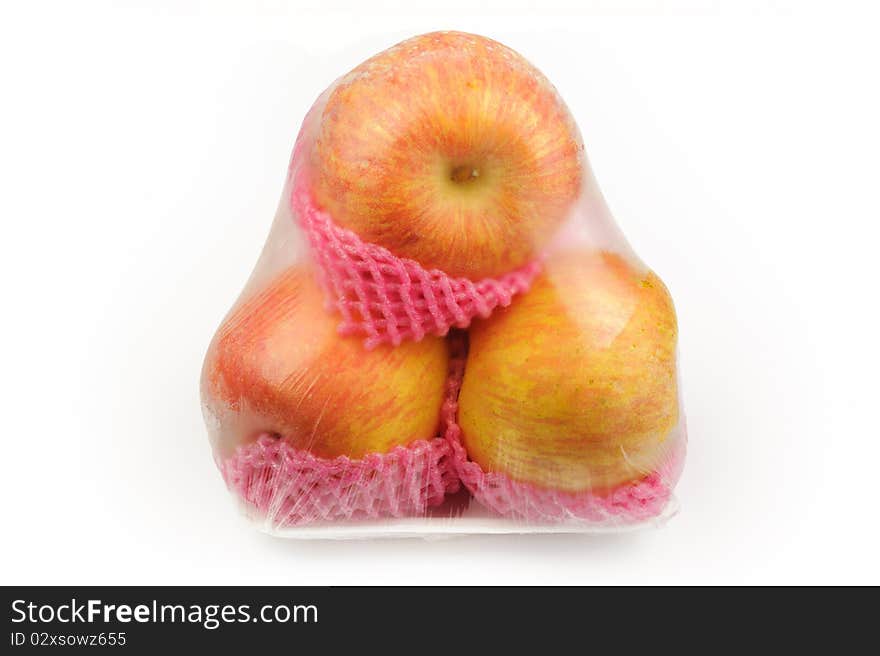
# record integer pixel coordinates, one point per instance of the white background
(142, 151)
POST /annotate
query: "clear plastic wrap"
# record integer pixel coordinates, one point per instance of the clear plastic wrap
(446, 331)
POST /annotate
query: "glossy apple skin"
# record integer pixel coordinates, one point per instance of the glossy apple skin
(449, 149)
(277, 365)
(573, 387)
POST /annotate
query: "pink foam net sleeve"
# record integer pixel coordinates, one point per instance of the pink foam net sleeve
(287, 487)
(388, 299)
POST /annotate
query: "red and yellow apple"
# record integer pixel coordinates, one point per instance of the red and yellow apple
(573, 387)
(449, 149)
(278, 366)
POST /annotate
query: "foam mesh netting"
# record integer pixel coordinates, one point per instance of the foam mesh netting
(388, 299)
(287, 487)
(629, 503)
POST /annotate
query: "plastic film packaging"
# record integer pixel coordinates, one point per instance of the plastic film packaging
(446, 331)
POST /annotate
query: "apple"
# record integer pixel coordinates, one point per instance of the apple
(574, 387)
(278, 366)
(449, 149)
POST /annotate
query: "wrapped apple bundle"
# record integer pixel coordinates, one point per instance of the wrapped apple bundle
(446, 325)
